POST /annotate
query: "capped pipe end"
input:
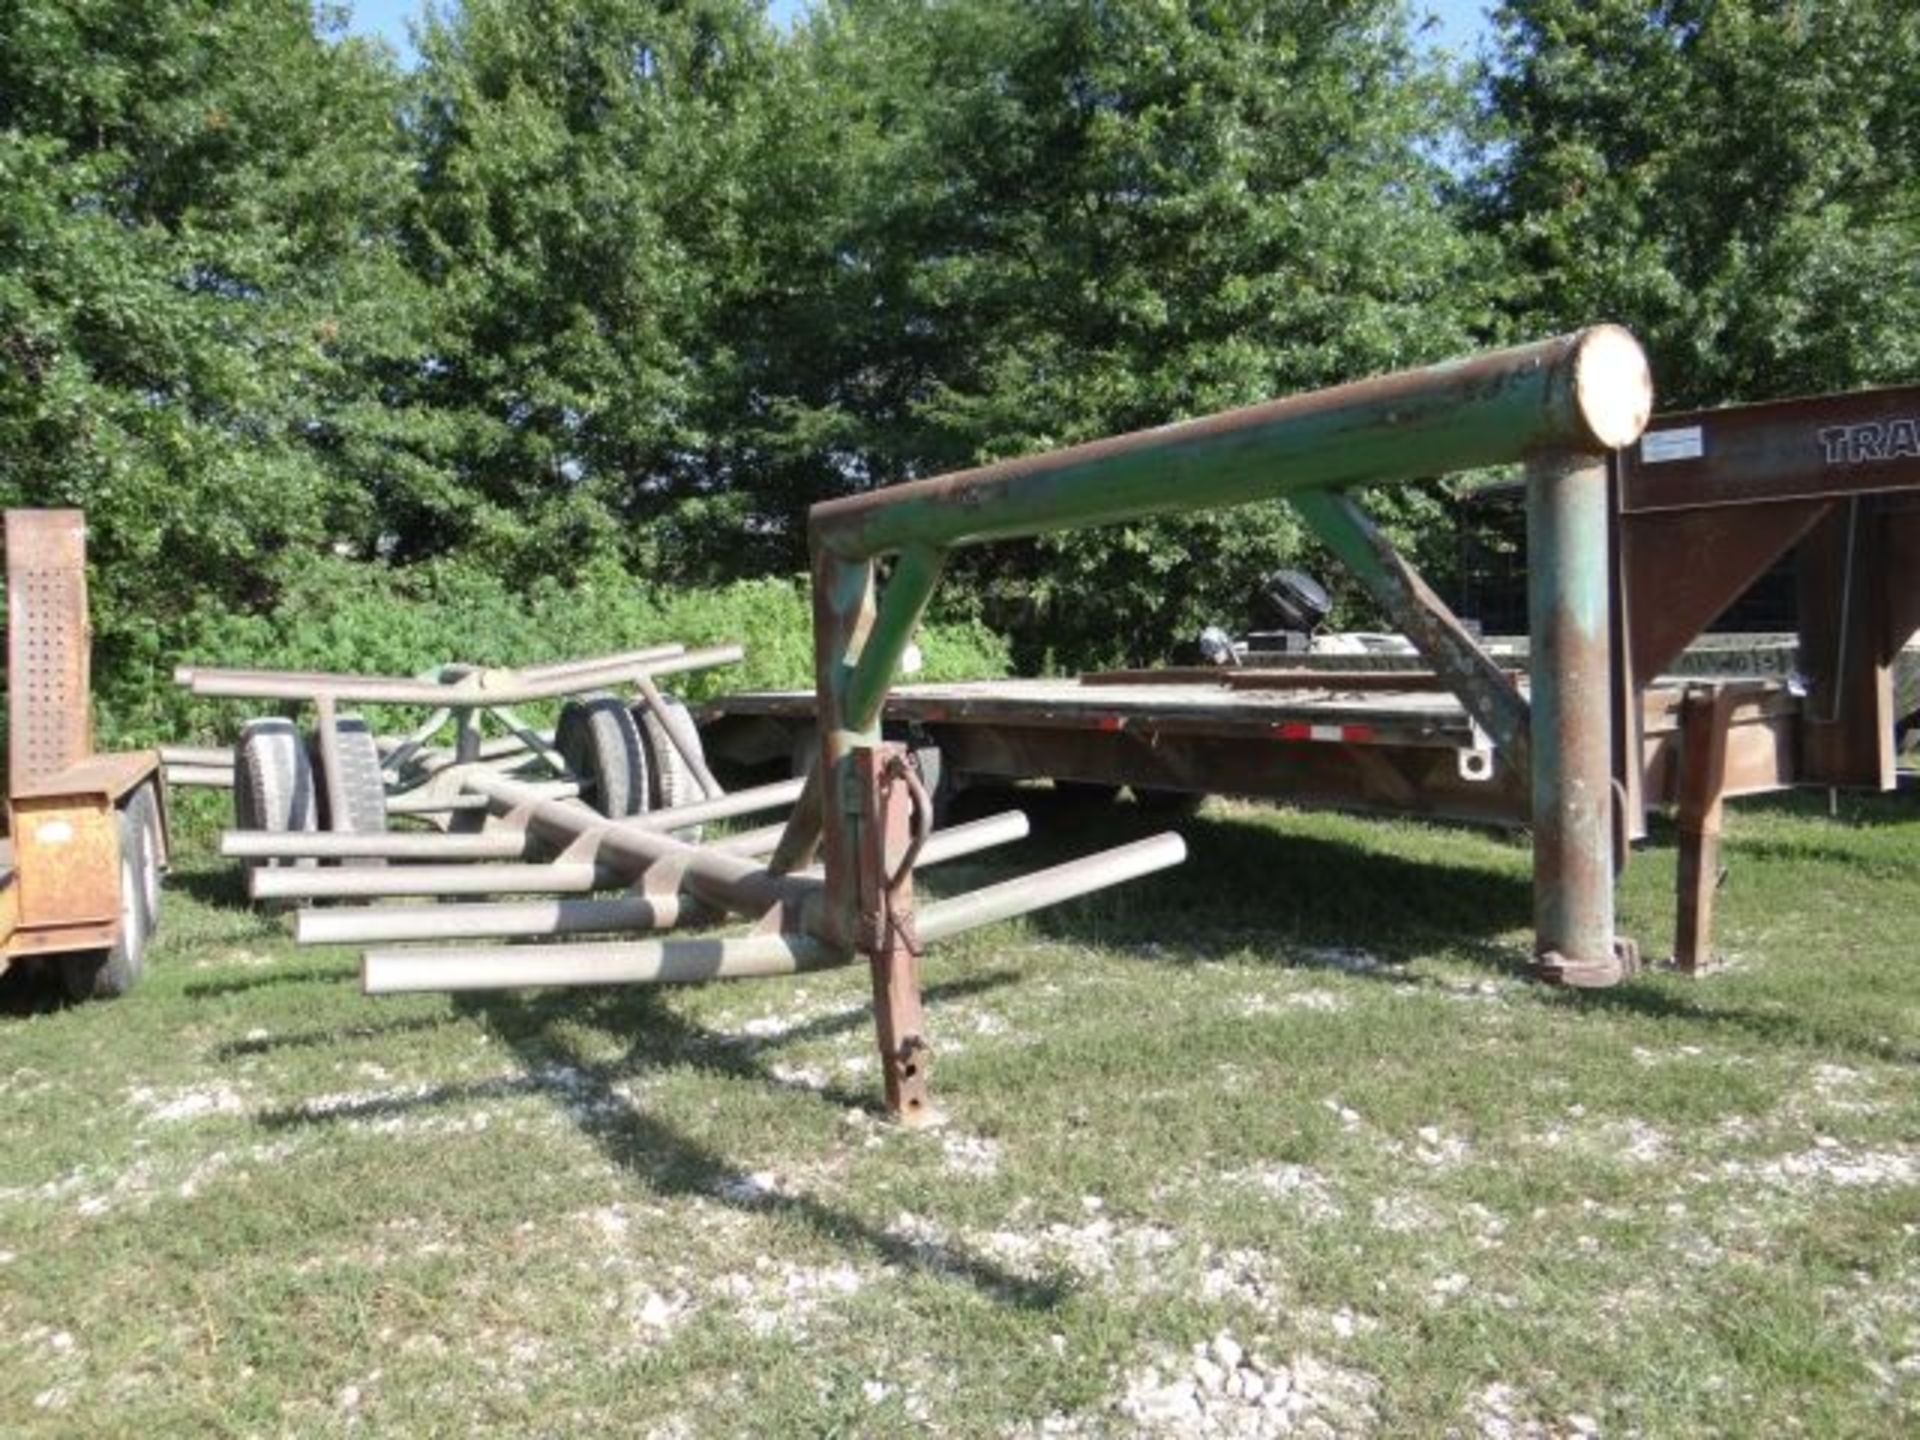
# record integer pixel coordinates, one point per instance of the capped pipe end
(1612, 385)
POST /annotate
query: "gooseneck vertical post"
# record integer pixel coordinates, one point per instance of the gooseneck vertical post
(1569, 616)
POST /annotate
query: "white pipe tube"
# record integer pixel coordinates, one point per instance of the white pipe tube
(373, 845)
(370, 881)
(641, 962)
(392, 924)
(668, 962)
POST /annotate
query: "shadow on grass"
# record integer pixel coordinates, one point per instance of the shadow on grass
(221, 885)
(1247, 887)
(1854, 809)
(1793, 1029)
(304, 975)
(31, 987)
(656, 1153)
(336, 1035)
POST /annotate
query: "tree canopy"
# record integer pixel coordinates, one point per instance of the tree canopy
(631, 283)
(1738, 180)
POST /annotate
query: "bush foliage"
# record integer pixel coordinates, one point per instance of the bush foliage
(490, 358)
(342, 615)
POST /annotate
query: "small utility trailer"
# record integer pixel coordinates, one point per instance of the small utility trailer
(86, 836)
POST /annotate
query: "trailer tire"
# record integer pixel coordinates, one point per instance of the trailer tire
(273, 782)
(110, 973)
(935, 776)
(364, 787)
(601, 745)
(671, 781)
(143, 805)
(804, 751)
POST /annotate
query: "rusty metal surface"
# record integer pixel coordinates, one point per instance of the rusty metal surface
(1239, 677)
(1845, 650)
(1819, 447)
(49, 709)
(1486, 691)
(1411, 717)
(1682, 570)
(1369, 779)
(109, 776)
(1705, 712)
(1585, 392)
(66, 861)
(1569, 605)
(888, 936)
(1901, 537)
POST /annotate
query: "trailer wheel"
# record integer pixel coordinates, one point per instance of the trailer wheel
(272, 781)
(110, 973)
(601, 745)
(803, 751)
(935, 775)
(143, 805)
(364, 789)
(671, 781)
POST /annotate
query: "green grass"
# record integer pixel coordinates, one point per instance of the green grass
(1294, 1092)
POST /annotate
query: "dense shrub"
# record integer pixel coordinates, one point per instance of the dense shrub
(341, 615)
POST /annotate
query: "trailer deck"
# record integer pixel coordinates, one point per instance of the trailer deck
(1335, 740)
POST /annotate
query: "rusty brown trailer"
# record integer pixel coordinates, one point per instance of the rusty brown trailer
(86, 833)
(1705, 504)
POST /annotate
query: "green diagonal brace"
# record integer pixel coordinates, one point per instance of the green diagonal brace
(1483, 687)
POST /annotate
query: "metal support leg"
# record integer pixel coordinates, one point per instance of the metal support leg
(327, 742)
(1569, 616)
(887, 933)
(1704, 712)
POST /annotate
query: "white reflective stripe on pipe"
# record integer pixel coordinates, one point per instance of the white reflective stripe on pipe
(640, 962)
(369, 881)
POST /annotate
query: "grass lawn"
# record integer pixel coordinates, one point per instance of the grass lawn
(1276, 1143)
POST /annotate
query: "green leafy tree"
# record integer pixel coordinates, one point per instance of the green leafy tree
(581, 221)
(200, 295)
(1738, 180)
(1078, 218)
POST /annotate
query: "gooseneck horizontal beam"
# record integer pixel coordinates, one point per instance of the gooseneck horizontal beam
(1585, 393)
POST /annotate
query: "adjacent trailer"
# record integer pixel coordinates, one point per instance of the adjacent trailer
(86, 839)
